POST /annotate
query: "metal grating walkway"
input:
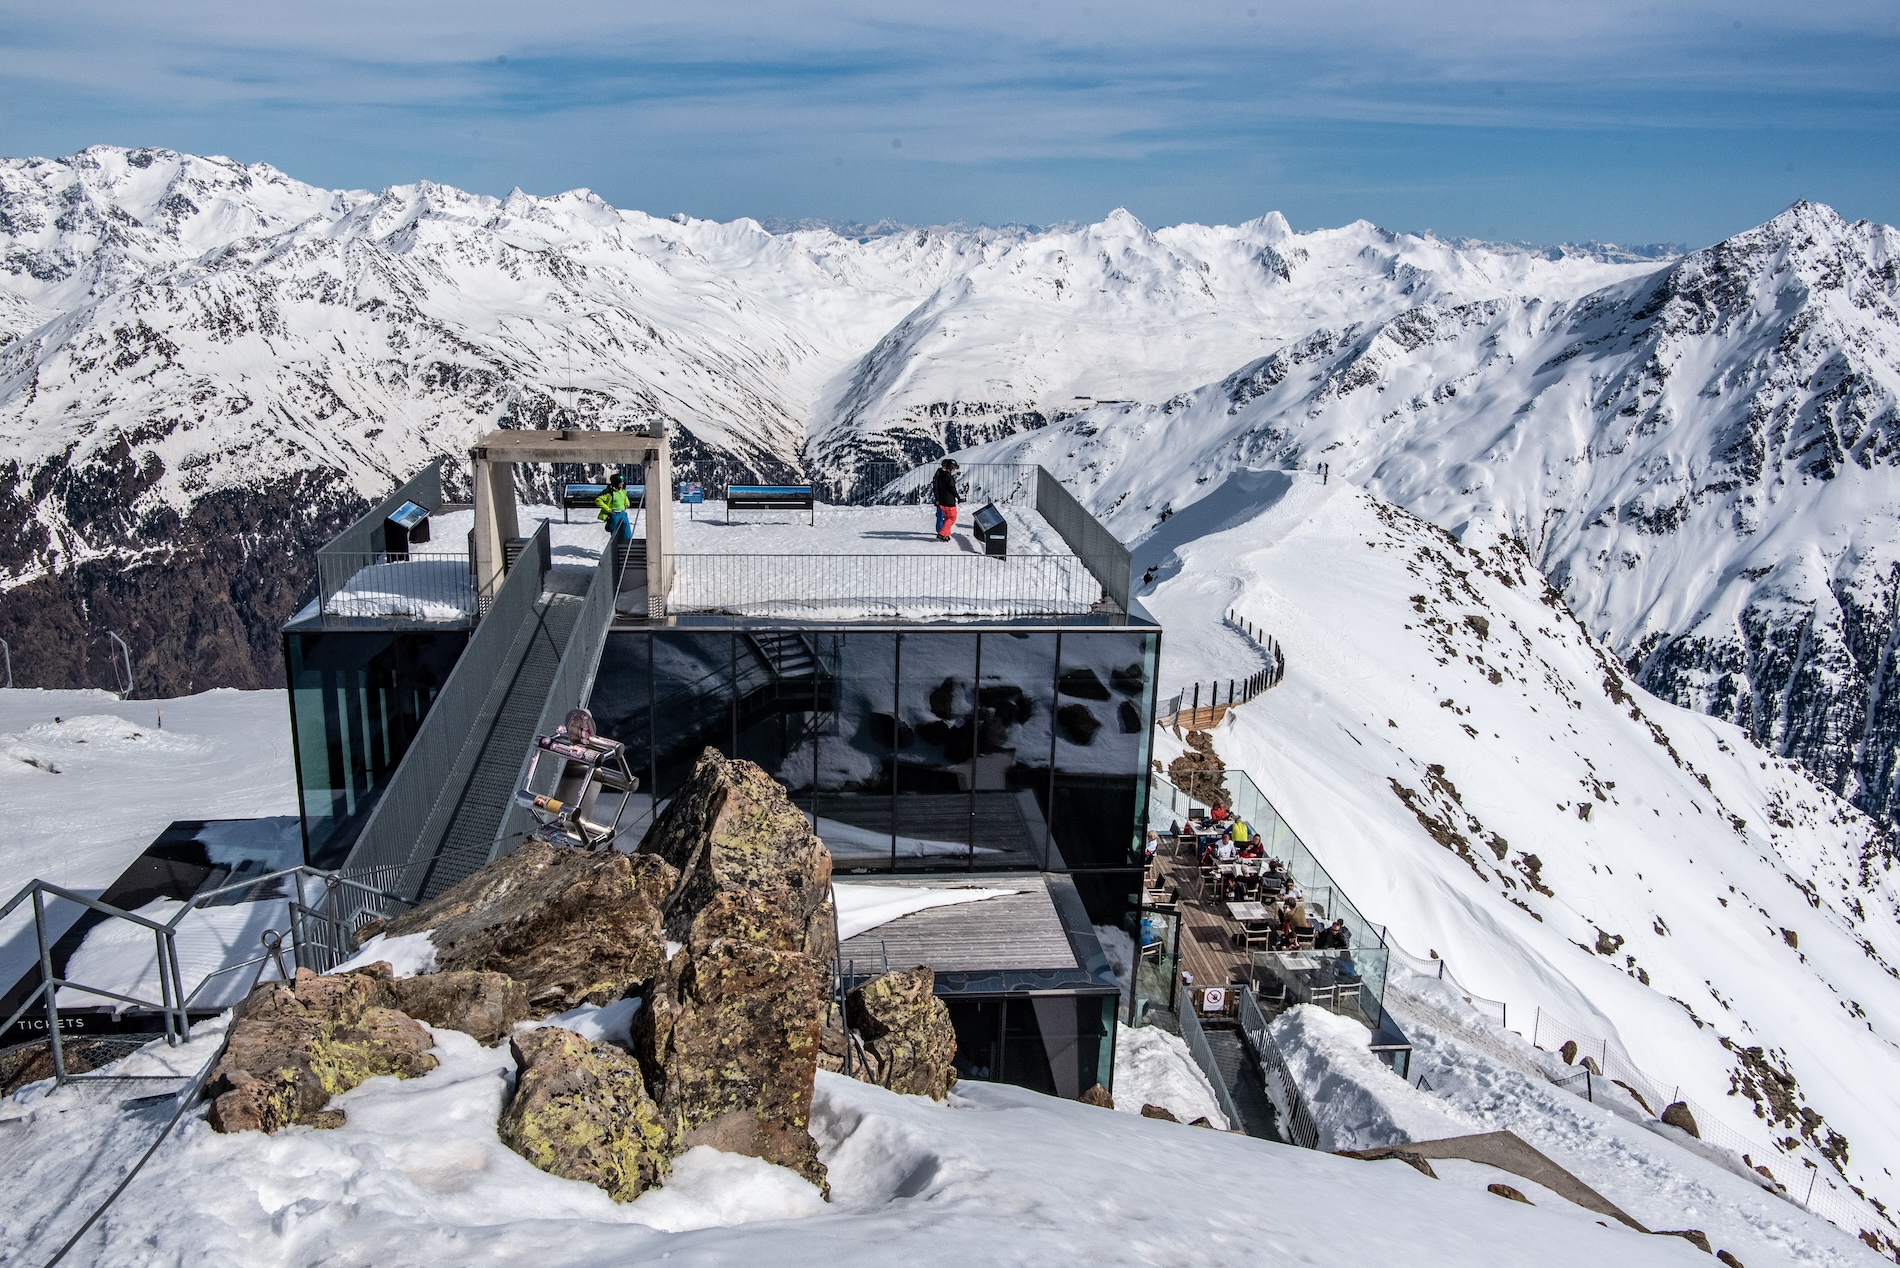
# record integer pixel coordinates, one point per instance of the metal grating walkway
(461, 833)
(1243, 1081)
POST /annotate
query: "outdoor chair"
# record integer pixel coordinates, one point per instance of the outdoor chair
(1324, 996)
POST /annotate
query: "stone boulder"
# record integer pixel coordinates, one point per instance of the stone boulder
(1677, 1115)
(729, 1045)
(906, 1030)
(570, 927)
(478, 1003)
(581, 1111)
(729, 1037)
(294, 1045)
(749, 866)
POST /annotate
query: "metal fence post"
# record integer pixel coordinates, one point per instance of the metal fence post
(46, 983)
(168, 1002)
(127, 653)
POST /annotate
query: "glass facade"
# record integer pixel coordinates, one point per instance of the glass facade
(1059, 1044)
(357, 699)
(940, 748)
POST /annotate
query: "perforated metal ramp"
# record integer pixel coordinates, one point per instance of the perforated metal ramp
(461, 833)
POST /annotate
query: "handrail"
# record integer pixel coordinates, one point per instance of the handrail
(1203, 1055)
(1239, 690)
(1296, 1117)
(174, 1002)
(907, 586)
(385, 852)
(573, 683)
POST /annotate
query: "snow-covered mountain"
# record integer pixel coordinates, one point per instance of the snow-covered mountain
(1695, 450)
(1701, 458)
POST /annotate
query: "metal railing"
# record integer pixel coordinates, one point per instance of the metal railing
(310, 891)
(387, 854)
(1801, 1181)
(856, 587)
(1200, 704)
(1203, 1055)
(1004, 483)
(365, 536)
(413, 584)
(312, 902)
(573, 683)
(1289, 1103)
(1616, 1079)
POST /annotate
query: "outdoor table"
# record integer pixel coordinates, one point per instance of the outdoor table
(1300, 973)
(1248, 912)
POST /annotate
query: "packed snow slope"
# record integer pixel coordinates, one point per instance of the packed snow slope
(87, 781)
(998, 1175)
(1483, 778)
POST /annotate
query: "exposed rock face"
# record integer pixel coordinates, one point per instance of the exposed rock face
(295, 1045)
(907, 1032)
(581, 1111)
(570, 927)
(1161, 1112)
(1098, 1095)
(484, 1005)
(728, 1040)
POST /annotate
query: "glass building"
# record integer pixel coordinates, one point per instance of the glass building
(1007, 751)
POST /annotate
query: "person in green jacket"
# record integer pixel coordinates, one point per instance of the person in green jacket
(613, 508)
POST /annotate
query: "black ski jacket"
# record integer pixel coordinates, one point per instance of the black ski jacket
(943, 486)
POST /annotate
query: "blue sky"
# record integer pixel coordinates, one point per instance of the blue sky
(1621, 121)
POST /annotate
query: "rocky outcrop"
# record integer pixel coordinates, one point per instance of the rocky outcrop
(1200, 772)
(725, 1044)
(906, 1032)
(728, 1039)
(570, 927)
(294, 1045)
(581, 1111)
(729, 1044)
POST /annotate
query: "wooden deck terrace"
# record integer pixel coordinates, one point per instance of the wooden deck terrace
(1207, 943)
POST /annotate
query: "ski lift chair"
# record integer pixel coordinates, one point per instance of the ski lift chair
(584, 785)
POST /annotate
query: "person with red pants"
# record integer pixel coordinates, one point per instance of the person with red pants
(943, 487)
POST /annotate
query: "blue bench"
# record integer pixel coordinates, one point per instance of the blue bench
(770, 497)
(580, 497)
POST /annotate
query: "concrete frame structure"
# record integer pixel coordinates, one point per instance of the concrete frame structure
(492, 466)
